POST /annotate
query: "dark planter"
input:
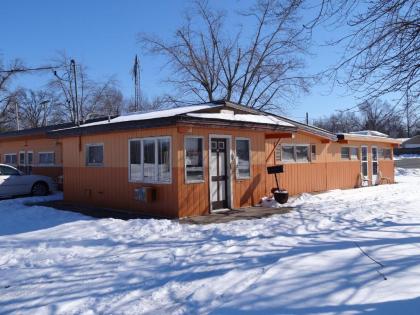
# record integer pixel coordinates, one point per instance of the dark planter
(281, 196)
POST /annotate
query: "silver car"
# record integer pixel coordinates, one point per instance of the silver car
(15, 183)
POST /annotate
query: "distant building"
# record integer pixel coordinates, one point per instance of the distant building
(412, 143)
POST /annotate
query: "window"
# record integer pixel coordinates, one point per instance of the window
(30, 157)
(194, 171)
(387, 154)
(94, 154)
(7, 170)
(150, 160)
(243, 165)
(46, 158)
(287, 153)
(345, 153)
(313, 152)
(354, 153)
(22, 158)
(294, 152)
(302, 153)
(364, 156)
(10, 158)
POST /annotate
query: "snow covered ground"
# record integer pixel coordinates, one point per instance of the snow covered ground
(305, 262)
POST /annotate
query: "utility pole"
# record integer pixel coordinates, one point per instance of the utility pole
(17, 115)
(136, 77)
(77, 113)
(307, 118)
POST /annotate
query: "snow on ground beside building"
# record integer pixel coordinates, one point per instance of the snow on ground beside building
(305, 262)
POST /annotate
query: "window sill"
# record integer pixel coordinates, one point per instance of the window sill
(194, 181)
(149, 182)
(94, 165)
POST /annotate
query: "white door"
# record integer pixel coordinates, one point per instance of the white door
(374, 165)
(218, 173)
(364, 164)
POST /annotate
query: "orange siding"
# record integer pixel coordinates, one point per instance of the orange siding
(35, 145)
(109, 186)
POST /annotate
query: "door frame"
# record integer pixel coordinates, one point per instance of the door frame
(373, 161)
(367, 160)
(229, 151)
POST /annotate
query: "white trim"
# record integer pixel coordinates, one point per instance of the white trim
(228, 168)
(237, 176)
(87, 147)
(156, 139)
(46, 164)
(197, 181)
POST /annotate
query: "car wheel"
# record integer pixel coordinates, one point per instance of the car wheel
(39, 189)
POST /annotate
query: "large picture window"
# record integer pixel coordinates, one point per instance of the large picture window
(46, 158)
(150, 160)
(94, 154)
(194, 170)
(243, 164)
(10, 158)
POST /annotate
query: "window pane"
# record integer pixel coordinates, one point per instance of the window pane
(95, 154)
(387, 154)
(364, 154)
(302, 153)
(164, 164)
(30, 158)
(313, 152)
(135, 160)
(345, 153)
(149, 160)
(22, 158)
(243, 160)
(194, 159)
(364, 169)
(354, 152)
(287, 153)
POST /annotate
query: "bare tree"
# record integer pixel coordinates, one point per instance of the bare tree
(36, 108)
(8, 102)
(81, 97)
(260, 72)
(381, 46)
(371, 115)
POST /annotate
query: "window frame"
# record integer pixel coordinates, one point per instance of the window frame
(24, 158)
(46, 164)
(9, 154)
(294, 145)
(239, 177)
(87, 147)
(27, 158)
(130, 180)
(193, 181)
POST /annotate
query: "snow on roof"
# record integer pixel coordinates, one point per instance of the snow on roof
(231, 116)
(164, 113)
(369, 133)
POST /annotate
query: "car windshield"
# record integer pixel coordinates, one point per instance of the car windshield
(7, 170)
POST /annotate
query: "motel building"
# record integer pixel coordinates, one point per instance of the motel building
(194, 160)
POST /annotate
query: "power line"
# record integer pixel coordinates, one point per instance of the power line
(30, 69)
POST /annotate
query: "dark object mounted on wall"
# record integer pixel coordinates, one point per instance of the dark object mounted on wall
(280, 195)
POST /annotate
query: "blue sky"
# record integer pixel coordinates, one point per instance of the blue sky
(103, 36)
